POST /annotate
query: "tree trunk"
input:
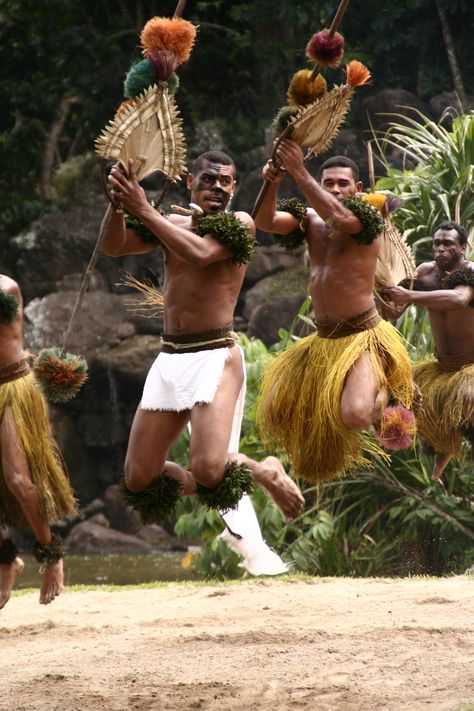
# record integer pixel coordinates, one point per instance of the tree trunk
(451, 52)
(65, 106)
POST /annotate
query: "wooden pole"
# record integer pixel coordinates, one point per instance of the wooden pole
(264, 189)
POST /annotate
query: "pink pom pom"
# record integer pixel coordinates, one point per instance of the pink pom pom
(398, 428)
(326, 50)
(164, 62)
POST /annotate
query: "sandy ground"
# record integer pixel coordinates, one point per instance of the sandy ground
(321, 644)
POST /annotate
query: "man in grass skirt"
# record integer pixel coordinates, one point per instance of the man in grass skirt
(321, 395)
(198, 378)
(445, 286)
(34, 490)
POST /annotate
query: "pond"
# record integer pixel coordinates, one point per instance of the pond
(111, 569)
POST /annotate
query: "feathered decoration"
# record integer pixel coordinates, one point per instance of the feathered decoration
(142, 75)
(326, 49)
(149, 131)
(357, 74)
(318, 124)
(303, 89)
(174, 35)
(398, 428)
(60, 376)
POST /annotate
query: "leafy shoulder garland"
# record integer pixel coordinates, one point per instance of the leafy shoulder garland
(368, 214)
(459, 277)
(8, 307)
(227, 229)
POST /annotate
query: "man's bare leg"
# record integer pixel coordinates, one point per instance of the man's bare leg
(8, 574)
(211, 425)
(18, 480)
(363, 401)
(271, 474)
(441, 462)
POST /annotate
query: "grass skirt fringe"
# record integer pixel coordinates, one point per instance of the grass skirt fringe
(30, 413)
(299, 404)
(448, 405)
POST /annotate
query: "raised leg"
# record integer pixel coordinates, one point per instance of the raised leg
(363, 400)
(211, 425)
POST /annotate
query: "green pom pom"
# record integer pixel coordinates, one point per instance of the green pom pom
(8, 307)
(238, 480)
(227, 229)
(283, 118)
(145, 234)
(157, 501)
(369, 216)
(60, 376)
(298, 209)
(141, 76)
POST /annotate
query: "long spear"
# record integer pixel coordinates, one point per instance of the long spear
(332, 30)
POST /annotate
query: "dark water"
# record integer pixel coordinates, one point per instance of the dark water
(111, 569)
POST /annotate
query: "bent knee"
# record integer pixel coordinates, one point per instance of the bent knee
(138, 478)
(357, 416)
(208, 471)
(18, 483)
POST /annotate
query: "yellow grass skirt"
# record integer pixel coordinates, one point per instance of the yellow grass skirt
(30, 413)
(448, 405)
(299, 404)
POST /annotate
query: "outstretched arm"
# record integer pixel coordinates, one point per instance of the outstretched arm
(326, 205)
(268, 218)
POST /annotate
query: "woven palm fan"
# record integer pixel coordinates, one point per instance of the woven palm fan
(395, 262)
(149, 131)
(317, 124)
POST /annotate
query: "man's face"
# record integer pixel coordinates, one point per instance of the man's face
(447, 249)
(212, 187)
(340, 182)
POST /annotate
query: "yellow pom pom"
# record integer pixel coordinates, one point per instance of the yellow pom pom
(303, 90)
(377, 200)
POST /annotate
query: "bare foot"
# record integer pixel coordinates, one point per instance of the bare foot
(283, 490)
(441, 462)
(185, 478)
(8, 575)
(52, 585)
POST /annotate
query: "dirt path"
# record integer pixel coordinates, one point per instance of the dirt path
(325, 645)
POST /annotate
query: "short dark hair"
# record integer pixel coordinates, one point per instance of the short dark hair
(450, 225)
(340, 162)
(212, 157)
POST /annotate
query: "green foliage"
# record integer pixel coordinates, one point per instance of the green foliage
(8, 307)
(226, 228)
(237, 481)
(156, 502)
(438, 180)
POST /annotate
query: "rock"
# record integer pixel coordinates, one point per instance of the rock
(274, 302)
(121, 517)
(449, 100)
(392, 101)
(91, 538)
(268, 260)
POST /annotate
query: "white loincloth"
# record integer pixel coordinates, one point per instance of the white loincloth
(179, 382)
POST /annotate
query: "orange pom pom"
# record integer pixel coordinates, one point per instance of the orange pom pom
(357, 74)
(176, 35)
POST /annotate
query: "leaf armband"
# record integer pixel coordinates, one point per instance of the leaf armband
(227, 229)
(369, 216)
(8, 307)
(298, 209)
(145, 234)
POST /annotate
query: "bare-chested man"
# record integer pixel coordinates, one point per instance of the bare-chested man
(320, 392)
(445, 287)
(199, 375)
(34, 491)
